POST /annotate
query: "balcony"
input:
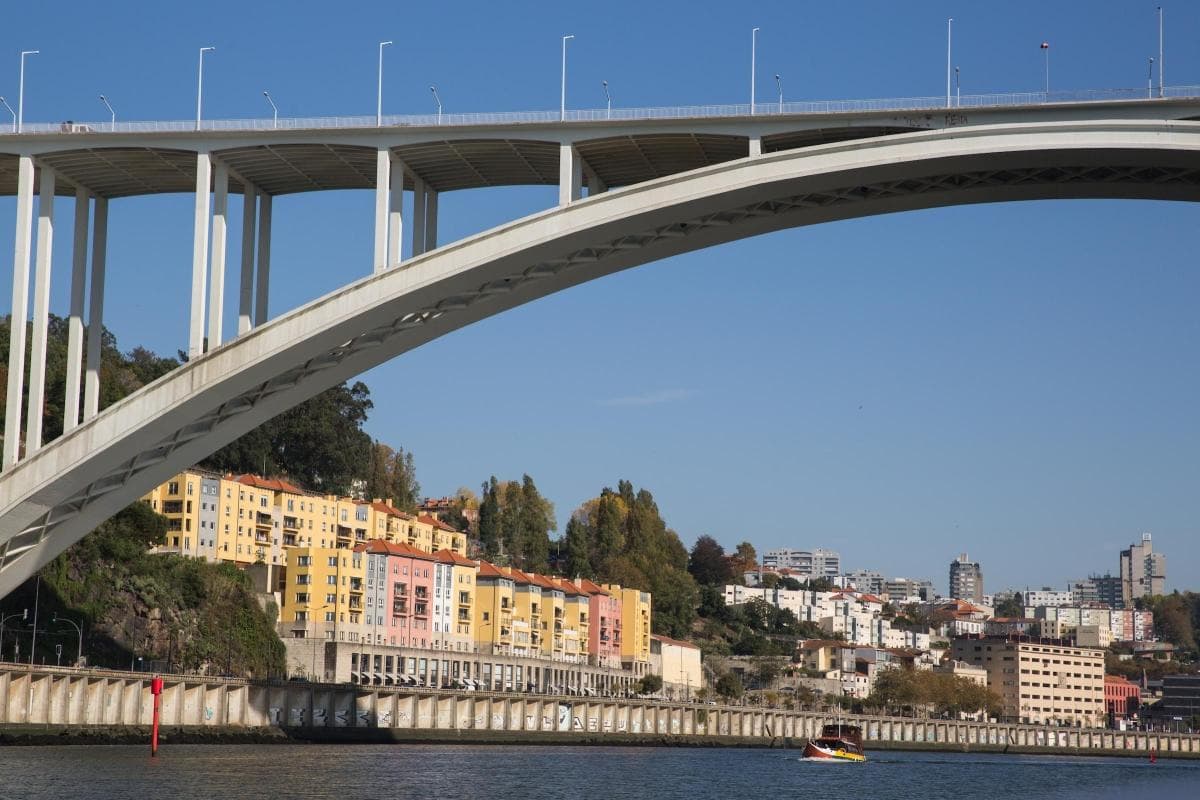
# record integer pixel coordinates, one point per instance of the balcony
(290, 523)
(400, 608)
(422, 593)
(173, 507)
(464, 615)
(421, 610)
(263, 519)
(356, 584)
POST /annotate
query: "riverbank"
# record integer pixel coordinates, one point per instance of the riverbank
(44, 735)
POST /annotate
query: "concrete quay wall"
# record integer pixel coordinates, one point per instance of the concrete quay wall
(66, 701)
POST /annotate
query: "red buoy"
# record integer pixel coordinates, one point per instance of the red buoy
(156, 684)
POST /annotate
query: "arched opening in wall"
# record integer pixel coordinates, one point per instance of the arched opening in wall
(797, 139)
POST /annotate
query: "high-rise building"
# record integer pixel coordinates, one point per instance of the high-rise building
(1105, 589)
(966, 579)
(818, 563)
(1143, 571)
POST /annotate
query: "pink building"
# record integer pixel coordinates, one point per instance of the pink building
(399, 594)
(604, 632)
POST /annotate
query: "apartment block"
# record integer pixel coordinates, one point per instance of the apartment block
(1044, 681)
(818, 563)
(1143, 571)
(635, 624)
(966, 579)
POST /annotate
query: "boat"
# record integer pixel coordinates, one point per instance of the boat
(837, 743)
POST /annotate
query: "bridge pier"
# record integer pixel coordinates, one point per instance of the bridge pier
(91, 380)
(246, 287)
(396, 214)
(20, 310)
(418, 216)
(74, 373)
(262, 290)
(570, 174)
(383, 173)
(199, 256)
(216, 288)
(41, 312)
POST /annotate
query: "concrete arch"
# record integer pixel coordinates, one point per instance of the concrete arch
(58, 495)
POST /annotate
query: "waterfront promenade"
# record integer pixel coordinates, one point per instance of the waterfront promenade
(100, 704)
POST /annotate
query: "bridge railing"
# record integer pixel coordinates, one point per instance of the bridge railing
(763, 109)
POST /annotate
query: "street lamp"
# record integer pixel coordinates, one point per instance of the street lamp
(21, 88)
(949, 37)
(753, 58)
(1046, 50)
(24, 615)
(779, 86)
(1150, 79)
(562, 108)
(79, 628)
(274, 109)
(379, 88)
(607, 97)
(437, 98)
(108, 105)
(14, 114)
(957, 88)
(200, 83)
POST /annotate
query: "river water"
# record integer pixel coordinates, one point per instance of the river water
(397, 772)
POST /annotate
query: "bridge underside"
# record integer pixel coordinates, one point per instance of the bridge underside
(63, 491)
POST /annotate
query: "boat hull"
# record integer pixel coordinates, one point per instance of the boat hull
(814, 750)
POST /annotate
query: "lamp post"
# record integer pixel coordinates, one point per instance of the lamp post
(1161, 86)
(79, 629)
(14, 114)
(379, 88)
(200, 83)
(1046, 50)
(437, 98)
(949, 39)
(1150, 79)
(779, 86)
(21, 90)
(36, 597)
(753, 59)
(957, 88)
(562, 107)
(607, 97)
(113, 121)
(3, 619)
(274, 110)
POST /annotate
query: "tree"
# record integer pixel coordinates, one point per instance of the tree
(392, 475)
(707, 563)
(1010, 606)
(729, 686)
(535, 519)
(489, 519)
(649, 684)
(744, 559)
(788, 582)
(766, 670)
(578, 562)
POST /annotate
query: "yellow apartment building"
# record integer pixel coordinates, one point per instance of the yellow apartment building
(494, 592)
(575, 622)
(552, 628)
(527, 614)
(323, 594)
(635, 625)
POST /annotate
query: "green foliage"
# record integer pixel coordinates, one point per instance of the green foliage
(729, 686)
(489, 519)
(900, 690)
(392, 475)
(515, 521)
(320, 443)
(1177, 619)
(649, 684)
(183, 612)
(1011, 607)
(620, 537)
(708, 564)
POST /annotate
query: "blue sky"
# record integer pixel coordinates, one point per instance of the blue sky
(1015, 381)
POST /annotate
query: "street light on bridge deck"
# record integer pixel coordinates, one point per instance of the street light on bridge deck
(107, 105)
(4, 103)
(274, 109)
(200, 83)
(437, 98)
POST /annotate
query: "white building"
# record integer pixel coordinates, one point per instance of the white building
(819, 563)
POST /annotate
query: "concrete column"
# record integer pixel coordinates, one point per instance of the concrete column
(431, 212)
(91, 380)
(755, 145)
(396, 214)
(418, 217)
(220, 226)
(570, 174)
(74, 376)
(594, 185)
(383, 166)
(199, 256)
(246, 287)
(41, 313)
(261, 291)
(20, 311)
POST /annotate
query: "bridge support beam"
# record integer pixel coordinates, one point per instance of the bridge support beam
(20, 310)
(262, 289)
(570, 174)
(199, 256)
(755, 146)
(220, 227)
(91, 380)
(418, 216)
(594, 185)
(383, 170)
(246, 285)
(74, 372)
(431, 220)
(396, 214)
(41, 312)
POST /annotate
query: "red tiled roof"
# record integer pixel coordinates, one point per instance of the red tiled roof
(518, 577)
(390, 510)
(676, 642)
(544, 582)
(568, 588)
(437, 523)
(451, 557)
(591, 588)
(394, 549)
(489, 570)
(273, 484)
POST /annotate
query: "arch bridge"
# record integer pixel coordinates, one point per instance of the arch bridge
(633, 188)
